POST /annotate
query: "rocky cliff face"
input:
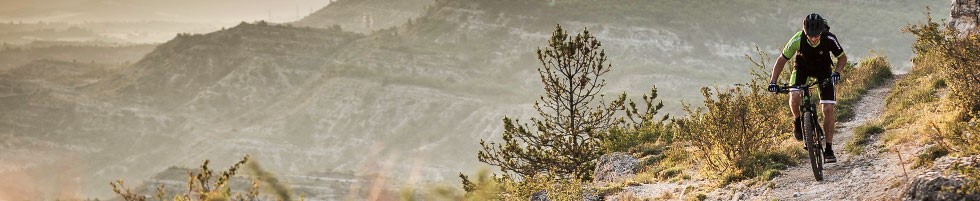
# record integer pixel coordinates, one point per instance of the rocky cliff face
(965, 15)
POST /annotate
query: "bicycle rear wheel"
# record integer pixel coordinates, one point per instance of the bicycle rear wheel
(812, 145)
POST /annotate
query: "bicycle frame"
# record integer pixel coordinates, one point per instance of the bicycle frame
(813, 136)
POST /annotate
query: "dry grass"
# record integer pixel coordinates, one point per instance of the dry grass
(862, 135)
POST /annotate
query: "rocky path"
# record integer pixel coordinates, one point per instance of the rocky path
(875, 174)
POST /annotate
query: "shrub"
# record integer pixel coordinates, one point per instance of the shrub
(492, 187)
(203, 185)
(485, 187)
(727, 133)
(643, 128)
(557, 187)
(736, 130)
(952, 56)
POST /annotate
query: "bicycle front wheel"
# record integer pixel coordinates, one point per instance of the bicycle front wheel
(812, 145)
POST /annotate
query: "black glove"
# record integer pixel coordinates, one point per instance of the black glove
(835, 77)
(773, 88)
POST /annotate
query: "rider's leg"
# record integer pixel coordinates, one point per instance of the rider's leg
(795, 100)
(829, 119)
(794, 94)
(794, 103)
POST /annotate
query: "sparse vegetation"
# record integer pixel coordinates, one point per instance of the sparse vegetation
(966, 170)
(862, 135)
(669, 163)
(488, 186)
(204, 185)
(927, 157)
(869, 73)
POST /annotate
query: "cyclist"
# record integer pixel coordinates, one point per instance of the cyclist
(813, 48)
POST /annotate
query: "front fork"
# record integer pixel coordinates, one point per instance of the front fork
(816, 122)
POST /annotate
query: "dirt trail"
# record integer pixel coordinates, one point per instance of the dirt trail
(875, 174)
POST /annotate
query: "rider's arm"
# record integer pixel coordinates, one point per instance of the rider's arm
(838, 51)
(788, 51)
(778, 68)
(841, 61)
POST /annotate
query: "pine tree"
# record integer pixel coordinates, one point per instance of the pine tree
(573, 118)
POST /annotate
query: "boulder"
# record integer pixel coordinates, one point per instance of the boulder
(615, 167)
(938, 183)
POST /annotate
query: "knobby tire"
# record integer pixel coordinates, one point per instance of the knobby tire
(812, 145)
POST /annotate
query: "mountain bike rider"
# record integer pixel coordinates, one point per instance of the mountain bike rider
(813, 48)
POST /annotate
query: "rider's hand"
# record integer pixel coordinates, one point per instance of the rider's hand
(835, 77)
(773, 88)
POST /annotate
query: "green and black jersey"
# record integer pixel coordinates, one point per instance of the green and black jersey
(813, 56)
(813, 60)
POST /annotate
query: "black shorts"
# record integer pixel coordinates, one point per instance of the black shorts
(826, 91)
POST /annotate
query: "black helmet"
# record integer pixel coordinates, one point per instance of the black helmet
(814, 25)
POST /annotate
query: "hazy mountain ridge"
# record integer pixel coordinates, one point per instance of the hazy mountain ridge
(364, 16)
(141, 10)
(292, 107)
(116, 32)
(277, 57)
(12, 57)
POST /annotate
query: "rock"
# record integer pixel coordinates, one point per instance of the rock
(934, 184)
(738, 196)
(964, 15)
(615, 167)
(540, 196)
(856, 172)
(590, 195)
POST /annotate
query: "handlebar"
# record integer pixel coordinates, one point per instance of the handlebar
(785, 88)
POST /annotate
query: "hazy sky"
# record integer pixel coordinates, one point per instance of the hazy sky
(165, 10)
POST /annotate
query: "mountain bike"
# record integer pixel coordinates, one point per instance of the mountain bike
(813, 135)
